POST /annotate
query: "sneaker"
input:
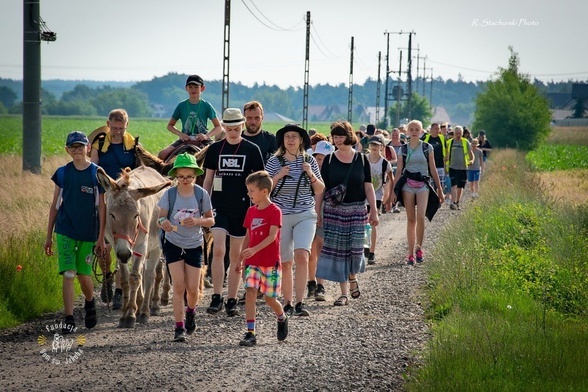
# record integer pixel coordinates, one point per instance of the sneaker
(90, 318)
(208, 282)
(216, 305)
(319, 294)
(453, 206)
(410, 260)
(190, 322)
(231, 307)
(419, 256)
(180, 335)
(69, 325)
(371, 259)
(396, 210)
(457, 205)
(283, 329)
(300, 310)
(117, 299)
(107, 291)
(249, 340)
(311, 288)
(288, 309)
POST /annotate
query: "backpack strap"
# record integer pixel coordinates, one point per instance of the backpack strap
(173, 194)
(384, 167)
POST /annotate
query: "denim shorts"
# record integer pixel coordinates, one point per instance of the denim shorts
(473, 175)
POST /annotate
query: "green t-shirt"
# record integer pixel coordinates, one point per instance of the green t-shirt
(194, 117)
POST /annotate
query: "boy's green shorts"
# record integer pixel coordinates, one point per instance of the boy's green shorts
(74, 255)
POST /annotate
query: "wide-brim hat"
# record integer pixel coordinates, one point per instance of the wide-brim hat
(185, 160)
(293, 128)
(232, 117)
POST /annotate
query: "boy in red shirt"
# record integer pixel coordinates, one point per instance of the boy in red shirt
(261, 255)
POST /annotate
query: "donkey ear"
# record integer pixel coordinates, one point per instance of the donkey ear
(139, 193)
(105, 180)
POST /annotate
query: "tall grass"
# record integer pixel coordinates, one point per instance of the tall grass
(509, 291)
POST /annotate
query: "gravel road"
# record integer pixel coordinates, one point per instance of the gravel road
(365, 346)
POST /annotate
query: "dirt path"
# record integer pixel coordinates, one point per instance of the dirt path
(364, 346)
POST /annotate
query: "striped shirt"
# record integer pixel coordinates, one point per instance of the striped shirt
(287, 185)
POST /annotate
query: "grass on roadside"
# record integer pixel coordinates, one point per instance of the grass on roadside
(509, 291)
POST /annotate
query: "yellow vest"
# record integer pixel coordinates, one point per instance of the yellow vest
(466, 156)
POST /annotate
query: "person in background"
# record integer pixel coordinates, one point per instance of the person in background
(316, 287)
(382, 179)
(475, 169)
(114, 151)
(467, 134)
(396, 143)
(78, 217)
(315, 139)
(484, 145)
(365, 140)
(260, 256)
(459, 156)
(228, 163)
(413, 189)
(438, 142)
(253, 112)
(341, 257)
(183, 239)
(297, 180)
(194, 113)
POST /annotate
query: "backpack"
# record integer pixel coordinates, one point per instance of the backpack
(384, 167)
(388, 152)
(303, 177)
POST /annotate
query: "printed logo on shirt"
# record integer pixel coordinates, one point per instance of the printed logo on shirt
(232, 163)
(256, 223)
(185, 213)
(87, 189)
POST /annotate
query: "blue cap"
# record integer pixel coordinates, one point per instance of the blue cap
(76, 137)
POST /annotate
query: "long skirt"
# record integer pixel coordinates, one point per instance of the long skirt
(342, 253)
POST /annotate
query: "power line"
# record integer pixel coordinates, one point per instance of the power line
(277, 28)
(332, 56)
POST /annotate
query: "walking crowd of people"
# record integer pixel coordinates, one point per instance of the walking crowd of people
(291, 210)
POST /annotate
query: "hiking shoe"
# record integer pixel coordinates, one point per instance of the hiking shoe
(231, 307)
(419, 256)
(371, 259)
(216, 305)
(288, 309)
(249, 340)
(180, 335)
(410, 260)
(107, 291)
(396, 210)
(311, 288)
(283, 329)
(319, 294)
(90, 318)
(69, 325)
(300, 310)
(190, 322)
(117, 299)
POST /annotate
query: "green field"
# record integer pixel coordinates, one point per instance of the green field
(151, 132)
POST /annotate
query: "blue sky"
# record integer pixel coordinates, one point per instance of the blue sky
(134, 40)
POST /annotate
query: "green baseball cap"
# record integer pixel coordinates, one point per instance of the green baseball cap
(185, 160)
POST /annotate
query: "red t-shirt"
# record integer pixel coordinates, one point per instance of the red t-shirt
(258, 222)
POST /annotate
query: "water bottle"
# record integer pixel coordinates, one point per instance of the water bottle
(367, 239)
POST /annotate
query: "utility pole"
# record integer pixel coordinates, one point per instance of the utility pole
(417, 57)
(399, 92)
(409, 74)
(378, 88)
(424, 76)
(34, 31)
(387, 95)
(431, 89)
(226, 55)
(350, 101)
(306, 74)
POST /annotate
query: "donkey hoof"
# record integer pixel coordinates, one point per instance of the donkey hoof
(155, 311)
(143, 318)
(127, 322)
(164, 301)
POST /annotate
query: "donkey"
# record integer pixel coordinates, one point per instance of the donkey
(131, 226)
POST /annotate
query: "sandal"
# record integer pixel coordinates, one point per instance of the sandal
(342, 301)
(355, 293)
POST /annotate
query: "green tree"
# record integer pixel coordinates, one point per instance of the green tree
(512, 110)
(7, 96)
(579, 108)
(133, 101)
(420, 109)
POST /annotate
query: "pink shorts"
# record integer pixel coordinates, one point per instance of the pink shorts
(267, 279)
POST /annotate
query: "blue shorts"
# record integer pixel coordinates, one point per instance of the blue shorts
(173, 253)
(473, 175)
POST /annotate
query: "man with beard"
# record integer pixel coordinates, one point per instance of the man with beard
(266, 141)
